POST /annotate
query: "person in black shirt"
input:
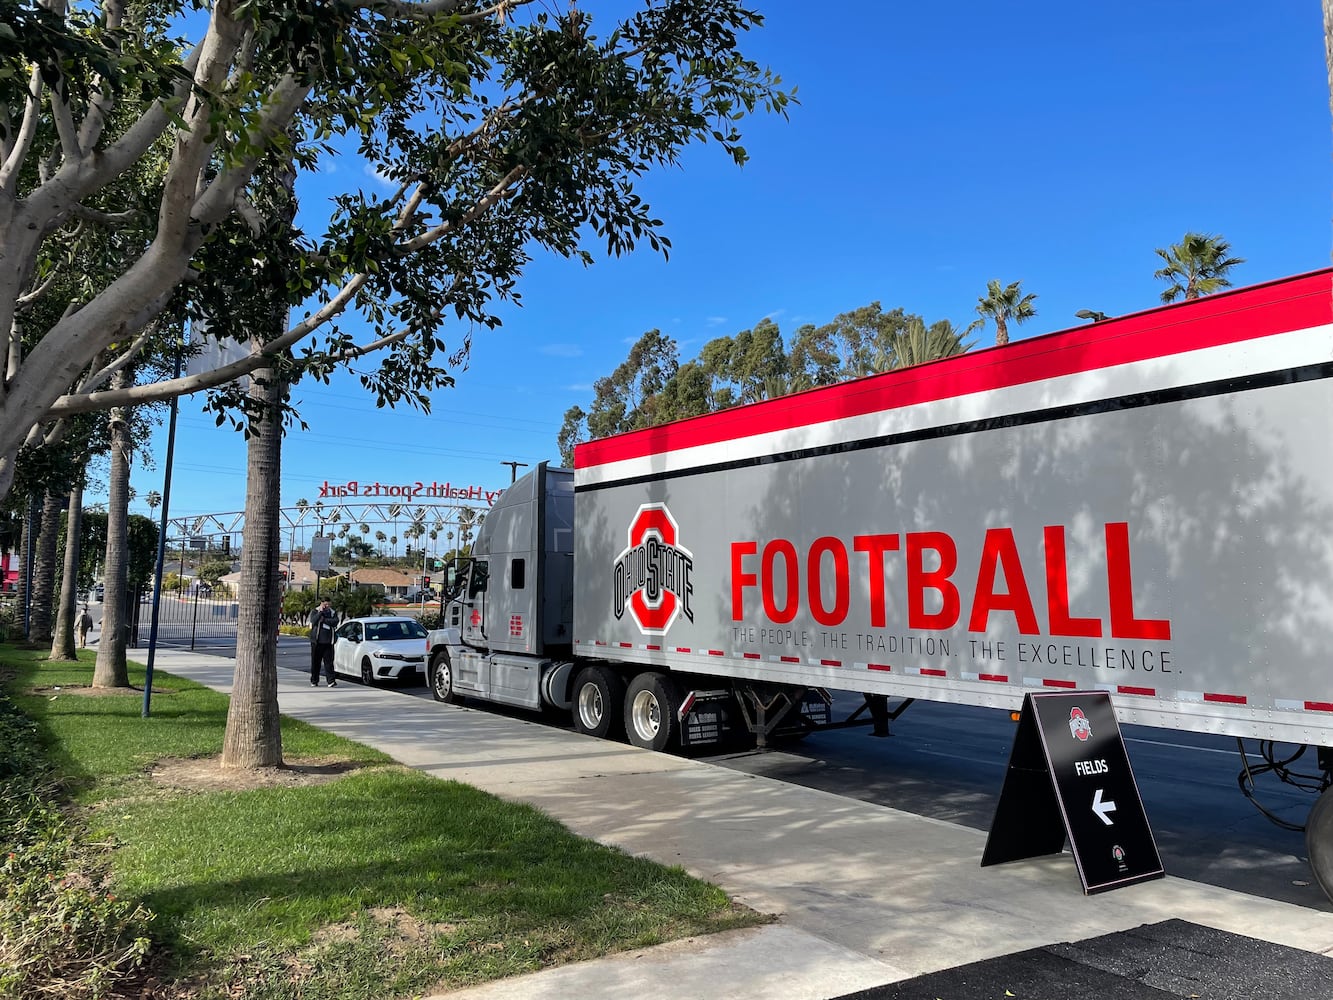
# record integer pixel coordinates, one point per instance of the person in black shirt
(323, 620)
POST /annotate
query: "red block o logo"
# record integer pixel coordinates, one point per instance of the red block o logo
(653, 530)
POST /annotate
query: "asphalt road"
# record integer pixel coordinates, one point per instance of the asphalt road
(947, 762)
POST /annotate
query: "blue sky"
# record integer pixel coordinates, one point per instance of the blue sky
(935, 146)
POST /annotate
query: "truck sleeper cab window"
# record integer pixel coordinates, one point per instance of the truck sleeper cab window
(517, 573)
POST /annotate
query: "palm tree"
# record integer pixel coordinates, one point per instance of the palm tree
(1005, 305)
(917, 343)
(1196, 266)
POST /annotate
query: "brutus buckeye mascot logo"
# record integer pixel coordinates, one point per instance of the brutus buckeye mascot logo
(1079, 726)
(653, 576)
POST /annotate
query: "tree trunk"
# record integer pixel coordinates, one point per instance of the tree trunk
(62, 645)
(23, 585)
(111, 670)
(1001, 332)
(44, 570)
(253, 737)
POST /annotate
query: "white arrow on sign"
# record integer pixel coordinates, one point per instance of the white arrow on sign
(1102, 808)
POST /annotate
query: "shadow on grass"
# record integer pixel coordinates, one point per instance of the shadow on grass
(231, 871)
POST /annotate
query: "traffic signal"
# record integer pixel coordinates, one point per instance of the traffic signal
(425, 581)
(226, 545)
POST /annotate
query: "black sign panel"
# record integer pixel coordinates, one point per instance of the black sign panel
(1069, 775)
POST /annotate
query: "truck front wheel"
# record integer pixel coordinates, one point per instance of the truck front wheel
(442, 678)
(651, 707)
(598, 694)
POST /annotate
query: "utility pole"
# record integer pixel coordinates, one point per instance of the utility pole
(513, 469)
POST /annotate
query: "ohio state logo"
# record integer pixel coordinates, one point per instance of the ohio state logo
(654, 574)
(1079, 726)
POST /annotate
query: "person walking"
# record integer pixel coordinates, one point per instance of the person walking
(323, 620)
(85, 625)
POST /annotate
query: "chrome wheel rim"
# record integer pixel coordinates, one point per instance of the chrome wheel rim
(646, 716)
(591, 707)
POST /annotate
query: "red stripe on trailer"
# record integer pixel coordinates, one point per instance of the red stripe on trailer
(1047, 682)
(789, 659)
(1289, 304)
(682, 649)
(932, 672)
(1319, 706)
(879, 666)
(1145, 692)
(1225, 699)
(998, 678)
(653, 648)
(625, 645)
(716, 652)
(599, 642)
(751, 656)
(830, 663)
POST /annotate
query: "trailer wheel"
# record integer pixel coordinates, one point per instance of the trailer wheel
(651, 705)
(598, 694)
(1319, 841)
(441, 678)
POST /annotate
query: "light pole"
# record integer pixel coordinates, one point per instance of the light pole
(513, 469)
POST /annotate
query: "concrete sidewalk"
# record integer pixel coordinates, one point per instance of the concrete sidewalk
(866, 895)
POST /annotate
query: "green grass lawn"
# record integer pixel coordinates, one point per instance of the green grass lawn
(381, 883)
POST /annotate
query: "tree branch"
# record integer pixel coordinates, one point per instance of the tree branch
(429, 8)
(499, 191)
(101, 104)
(9, 171)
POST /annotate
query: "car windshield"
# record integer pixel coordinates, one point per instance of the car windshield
(408, 628)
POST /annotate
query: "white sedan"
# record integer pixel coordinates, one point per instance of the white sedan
(377, 649)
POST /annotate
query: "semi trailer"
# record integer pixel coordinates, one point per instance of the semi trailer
(1142, 505)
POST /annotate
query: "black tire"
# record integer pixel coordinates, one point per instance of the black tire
(1319, 841)
(367, 672)
(441, 679)
(599, 693)
(651, 706)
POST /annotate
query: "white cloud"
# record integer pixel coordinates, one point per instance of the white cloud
(562, 351)
(381, 178)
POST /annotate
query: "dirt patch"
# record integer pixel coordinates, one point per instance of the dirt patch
(88, 691)
(404, 930)
(206, 774)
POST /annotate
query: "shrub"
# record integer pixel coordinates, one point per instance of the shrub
(62, 932)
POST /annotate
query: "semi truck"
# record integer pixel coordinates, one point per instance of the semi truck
(1142, 505)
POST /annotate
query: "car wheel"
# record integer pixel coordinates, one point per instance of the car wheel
(367, 672)
(442, 679)
(599, 695)
(651, 706)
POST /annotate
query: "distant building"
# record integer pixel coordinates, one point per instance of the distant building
(395, 582)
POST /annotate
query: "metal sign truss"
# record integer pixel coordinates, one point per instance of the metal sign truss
(332, 518)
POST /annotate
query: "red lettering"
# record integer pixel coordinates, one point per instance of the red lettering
(1120, 591)
(739, 578)
(828, 545)
(784, 548)
(1057, 589)
(919, 580)
(875, 546)
(998, 551)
